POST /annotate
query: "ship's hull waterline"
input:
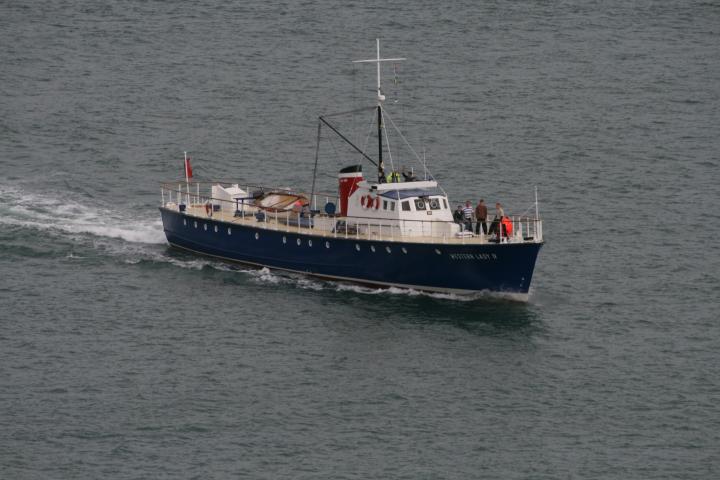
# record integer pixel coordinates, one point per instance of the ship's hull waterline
(469, 268)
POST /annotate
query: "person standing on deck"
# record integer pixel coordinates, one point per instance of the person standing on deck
(393, 177)
(458, 215)
(495, 227)
(481, 217)
(468, 216)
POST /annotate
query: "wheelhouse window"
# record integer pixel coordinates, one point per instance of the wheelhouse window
(405, 206)
(392, 206)
(420, 204)
(385, 204)
(434, 203)
(445, 203)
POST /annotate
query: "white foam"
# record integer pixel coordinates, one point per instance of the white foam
(52, 213)
(310, 283)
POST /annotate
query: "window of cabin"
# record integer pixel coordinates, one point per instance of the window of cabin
(392, 206)
(445, 203)
(384, 204)
(420, 204)
(434, 203)
(406, 206)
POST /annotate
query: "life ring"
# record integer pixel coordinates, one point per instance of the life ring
(369, 202)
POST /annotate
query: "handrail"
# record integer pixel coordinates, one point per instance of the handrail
(206, 198)
(249, 187)
(525, 228)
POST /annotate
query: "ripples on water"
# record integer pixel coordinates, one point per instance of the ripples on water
(122, 358)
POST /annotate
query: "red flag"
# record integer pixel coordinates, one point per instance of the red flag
(188, 168)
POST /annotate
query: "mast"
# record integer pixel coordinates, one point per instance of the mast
(381, 166)
(380, 99)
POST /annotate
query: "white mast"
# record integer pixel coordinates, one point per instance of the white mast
(380, 98)
(377, 60)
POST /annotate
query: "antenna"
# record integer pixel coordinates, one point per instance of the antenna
(424, 166)
(377, 60)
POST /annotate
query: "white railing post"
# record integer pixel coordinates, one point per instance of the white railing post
(541, 230)
(527, 226)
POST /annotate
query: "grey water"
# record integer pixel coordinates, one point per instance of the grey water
(121, 358)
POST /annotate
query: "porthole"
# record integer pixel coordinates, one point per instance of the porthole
(327, 244)
(284, 240)
(372, 248)
(298, 242)
(205, 227)
(387, 249)
(216, 229)
(185, 222)
(404, 250)
(438, 251)
(257, 235)
(229, 231)
(195, 224)
(309, 243)
(357, 247)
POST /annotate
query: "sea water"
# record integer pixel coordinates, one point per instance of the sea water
(122, 358)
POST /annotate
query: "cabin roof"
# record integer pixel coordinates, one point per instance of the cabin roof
(412, 192)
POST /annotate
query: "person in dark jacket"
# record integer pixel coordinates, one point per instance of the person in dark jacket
(481, 217)
(458, 216)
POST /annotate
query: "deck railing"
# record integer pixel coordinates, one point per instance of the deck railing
(189, 198)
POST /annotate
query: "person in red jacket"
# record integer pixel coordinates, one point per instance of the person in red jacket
(500, 222)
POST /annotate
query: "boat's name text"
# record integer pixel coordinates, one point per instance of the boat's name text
(473, 256)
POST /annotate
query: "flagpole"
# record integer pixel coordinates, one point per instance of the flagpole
(187, 179)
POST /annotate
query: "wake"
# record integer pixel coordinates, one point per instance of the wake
(51, 213)
(141, 234)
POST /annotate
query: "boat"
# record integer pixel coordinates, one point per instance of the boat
(382, 231)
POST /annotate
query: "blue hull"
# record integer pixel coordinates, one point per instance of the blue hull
(468, 268)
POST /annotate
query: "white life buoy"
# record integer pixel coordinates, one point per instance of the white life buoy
(368, 202)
